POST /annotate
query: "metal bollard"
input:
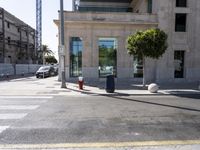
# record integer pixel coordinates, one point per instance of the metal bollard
(80, 82)
(110, 84)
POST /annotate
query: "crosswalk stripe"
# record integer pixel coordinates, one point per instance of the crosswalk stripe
(25, 102)
(10, 103)
(2, 128)
(26, 97)
(12, 116)
(18, 107)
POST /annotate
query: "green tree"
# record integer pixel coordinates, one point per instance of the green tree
(45, 51)
(50, 60)
(150, 43)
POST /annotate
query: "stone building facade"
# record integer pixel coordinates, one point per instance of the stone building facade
(17, 40)
(96, 33)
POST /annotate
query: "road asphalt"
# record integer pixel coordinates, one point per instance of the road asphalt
(38, 114)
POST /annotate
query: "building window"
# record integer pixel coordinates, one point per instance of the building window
(179, 64)
(18, 43)
(180, 23)
(149, 6)
(181, 3)
(76, 48)
(107, 57)
(8, 24)
(137, 67)
(9, 40)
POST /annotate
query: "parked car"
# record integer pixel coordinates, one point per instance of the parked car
(46, 71)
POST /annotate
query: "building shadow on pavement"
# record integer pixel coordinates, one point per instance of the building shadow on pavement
(125, 97)
(157, 104)
(192, 95)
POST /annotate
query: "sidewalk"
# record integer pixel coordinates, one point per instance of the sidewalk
(51, 86)
(135, 89)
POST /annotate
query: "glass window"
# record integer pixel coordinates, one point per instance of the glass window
(76, 48)
(181, 3)
(149, 6)
(179, 64)
(137, 67)
(107, 57)
(180, 23)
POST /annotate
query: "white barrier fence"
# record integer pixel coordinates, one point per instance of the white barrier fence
(18, 69)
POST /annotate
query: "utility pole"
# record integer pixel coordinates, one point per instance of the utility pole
(62, 46)
(38, 26)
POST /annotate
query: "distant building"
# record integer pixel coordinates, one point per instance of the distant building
(96, 33)
(17, 40)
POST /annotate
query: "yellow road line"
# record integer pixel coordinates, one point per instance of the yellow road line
(100, 145)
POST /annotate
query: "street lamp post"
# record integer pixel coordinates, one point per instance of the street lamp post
(62, 46)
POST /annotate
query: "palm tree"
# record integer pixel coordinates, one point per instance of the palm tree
(45, 51)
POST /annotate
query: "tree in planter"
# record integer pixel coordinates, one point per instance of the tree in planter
(150, 43)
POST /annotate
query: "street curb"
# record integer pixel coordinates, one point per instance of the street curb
(130, 94)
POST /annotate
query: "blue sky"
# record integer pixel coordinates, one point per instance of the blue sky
(25, 10)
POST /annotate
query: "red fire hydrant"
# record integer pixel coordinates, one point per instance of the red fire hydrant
(80, 83)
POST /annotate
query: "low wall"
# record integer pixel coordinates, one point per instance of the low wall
(17, 69)
(6, 69)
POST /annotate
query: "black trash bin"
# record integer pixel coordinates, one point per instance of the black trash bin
(110, 84)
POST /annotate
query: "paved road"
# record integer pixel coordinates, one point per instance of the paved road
(110, 122)
(98, 119)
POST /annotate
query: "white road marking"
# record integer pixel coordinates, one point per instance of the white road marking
(2, 128)
(18, 107)
(12, 116)
(115, 145)
(21, 102)
(26, 97)
(8, 103)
